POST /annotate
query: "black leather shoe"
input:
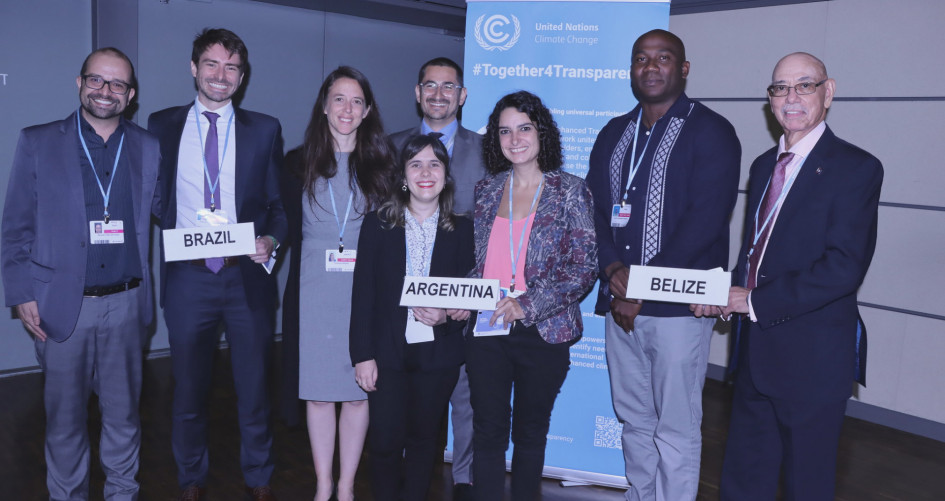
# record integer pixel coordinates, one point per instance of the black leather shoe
(261, 493)
(462, 492)
(192, 493)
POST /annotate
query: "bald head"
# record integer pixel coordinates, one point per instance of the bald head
(802, 58)
(675, 43)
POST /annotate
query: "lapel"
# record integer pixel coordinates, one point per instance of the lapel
(492, 198)
(398, 252)
(136, 161)
(71, 173)
(245, 149)
(170, 150)
(460, 144)
(545, 213)
(806, 181)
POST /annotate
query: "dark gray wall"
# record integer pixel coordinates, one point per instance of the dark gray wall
(290, 50)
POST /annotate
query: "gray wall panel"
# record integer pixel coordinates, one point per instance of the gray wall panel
(40, 72)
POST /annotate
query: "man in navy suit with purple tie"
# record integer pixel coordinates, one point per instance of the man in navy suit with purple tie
(220, 165)
(809, 238)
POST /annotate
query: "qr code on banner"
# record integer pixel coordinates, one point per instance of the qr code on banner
(607, 432)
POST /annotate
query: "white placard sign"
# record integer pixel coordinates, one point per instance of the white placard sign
(211, 241)
(442, 292)
(679, 285)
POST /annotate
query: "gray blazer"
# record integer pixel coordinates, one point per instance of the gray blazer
(45, 234)
(466, 166)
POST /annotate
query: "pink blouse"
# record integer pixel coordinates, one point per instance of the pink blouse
(498, 260)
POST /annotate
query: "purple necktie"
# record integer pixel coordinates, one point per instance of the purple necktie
(210, 151)
(771, 199)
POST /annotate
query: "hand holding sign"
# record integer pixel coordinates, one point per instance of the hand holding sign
(679, 285)
(430, 316)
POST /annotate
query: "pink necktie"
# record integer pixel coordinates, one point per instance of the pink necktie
(771, 199)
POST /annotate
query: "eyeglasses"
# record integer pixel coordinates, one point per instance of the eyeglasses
(801, 89)
(447, 88)
(96, 82)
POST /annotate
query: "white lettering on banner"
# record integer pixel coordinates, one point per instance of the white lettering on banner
(679, 285)
(551, 71)
(202, 242)
(4, 77)
(442, 292)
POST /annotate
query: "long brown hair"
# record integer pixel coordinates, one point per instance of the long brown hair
(371, 161)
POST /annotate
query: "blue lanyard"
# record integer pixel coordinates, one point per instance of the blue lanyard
(521, 240)
(777, 205)
(106, 194)
(635, 162)
(334, 210)
(424, 264)
(226, 142)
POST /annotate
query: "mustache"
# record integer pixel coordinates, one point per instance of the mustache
(103, 97)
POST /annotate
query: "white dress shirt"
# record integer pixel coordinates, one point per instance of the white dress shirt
(190, 165)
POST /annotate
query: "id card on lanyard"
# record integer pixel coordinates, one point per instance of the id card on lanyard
(620, 215)
(340, 259)
(106, 230)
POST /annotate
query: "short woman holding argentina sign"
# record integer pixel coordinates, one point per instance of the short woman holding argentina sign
(408, 360)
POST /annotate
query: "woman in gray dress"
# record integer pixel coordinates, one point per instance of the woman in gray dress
(340, 173)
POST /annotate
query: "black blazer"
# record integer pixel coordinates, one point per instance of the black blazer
(378, 322)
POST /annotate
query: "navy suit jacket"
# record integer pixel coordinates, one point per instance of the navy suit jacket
(803, 346)
(378, 322)
(258, 162)
(45, 235)
(466, 166)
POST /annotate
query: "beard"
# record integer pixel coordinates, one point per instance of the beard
(112, 111)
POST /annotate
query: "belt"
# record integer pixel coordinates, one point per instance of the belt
(111, 289)
(227, 261)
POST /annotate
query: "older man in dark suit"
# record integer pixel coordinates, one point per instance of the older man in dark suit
(76, 289)
(220, 165)
(440, 94)
(809, 239)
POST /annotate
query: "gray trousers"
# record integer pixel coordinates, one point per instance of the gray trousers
(657, 373)
(103, 355)
(461, 417)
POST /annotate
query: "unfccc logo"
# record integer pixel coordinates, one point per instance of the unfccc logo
(492, 32)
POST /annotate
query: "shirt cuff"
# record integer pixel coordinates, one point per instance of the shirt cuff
(751, 309)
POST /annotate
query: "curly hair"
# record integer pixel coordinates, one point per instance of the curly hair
(372, 159)
(391, 212)
(549, 137)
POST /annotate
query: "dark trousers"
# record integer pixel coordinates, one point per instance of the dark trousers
(536, 370)
(197, 303)
(767, 434)
(406, 412)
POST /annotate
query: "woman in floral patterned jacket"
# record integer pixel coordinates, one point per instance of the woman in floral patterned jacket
(534, 232)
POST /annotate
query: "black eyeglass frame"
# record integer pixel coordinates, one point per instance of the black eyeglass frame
(109, 83)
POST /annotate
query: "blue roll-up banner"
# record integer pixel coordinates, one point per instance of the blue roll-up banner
(575, 55)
